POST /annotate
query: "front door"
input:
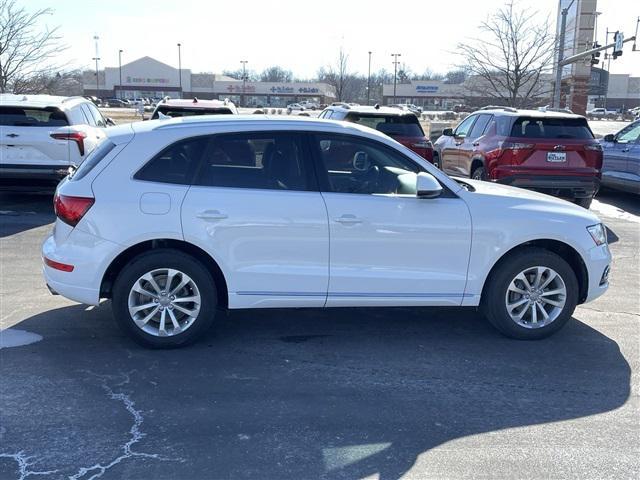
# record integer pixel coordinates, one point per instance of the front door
(388, 247)
(255, 208)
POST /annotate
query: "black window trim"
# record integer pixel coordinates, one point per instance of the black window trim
(323, 178)
(473, 116)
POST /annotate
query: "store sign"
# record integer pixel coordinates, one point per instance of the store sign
(426, 88)
(241, 89)
(147, 80)
(308, 90)
(281, 89)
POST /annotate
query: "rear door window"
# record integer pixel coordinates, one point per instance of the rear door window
(32, 117)
(391, 125)
(97, 116)
(552, 128)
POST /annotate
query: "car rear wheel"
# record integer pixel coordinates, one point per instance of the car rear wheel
(479, 174)
(164, 299)
(531, 294)
(584, 202)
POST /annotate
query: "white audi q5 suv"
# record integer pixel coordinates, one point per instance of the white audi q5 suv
(176, 219)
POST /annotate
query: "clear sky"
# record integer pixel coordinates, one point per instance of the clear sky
(298, 35)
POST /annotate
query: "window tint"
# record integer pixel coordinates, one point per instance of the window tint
(392, 125)
(480, 126)
(629, 134)
(328, 114)
(175, 164)
(93, 159)
(189, 112)
(463, 129)
(32, 117)
(87, 113)
(551, 127)
(503, 125)
(97, 116)
(263, 160)
(355, 165)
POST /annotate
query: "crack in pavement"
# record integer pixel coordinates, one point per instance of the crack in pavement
(135, 433)
(24, 463)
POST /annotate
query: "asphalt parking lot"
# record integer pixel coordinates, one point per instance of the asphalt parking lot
(344, 393)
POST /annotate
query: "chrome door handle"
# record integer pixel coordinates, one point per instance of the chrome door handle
(211, 215)
(348, 219)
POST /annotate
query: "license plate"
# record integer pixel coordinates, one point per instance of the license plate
(556, 157)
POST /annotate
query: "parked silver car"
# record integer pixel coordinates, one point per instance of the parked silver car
(621, 163)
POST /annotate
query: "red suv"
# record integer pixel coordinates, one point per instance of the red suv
(401, 125)
(550, 152)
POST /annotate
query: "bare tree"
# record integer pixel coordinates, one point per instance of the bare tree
(276, 74)
(337, 75)
(27, 46)
(509, 58)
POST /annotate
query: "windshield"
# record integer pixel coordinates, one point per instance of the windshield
(188, 112)
(32, 117)
(392, 125)
(551, 127)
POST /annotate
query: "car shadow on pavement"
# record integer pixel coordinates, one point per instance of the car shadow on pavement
(626, 202)
(290, 394)
(20, 212)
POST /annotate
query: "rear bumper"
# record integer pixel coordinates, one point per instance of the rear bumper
(556, 185)
(15, 175)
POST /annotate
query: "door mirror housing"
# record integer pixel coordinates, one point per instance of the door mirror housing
(447, 132)
(110, 122)
(610, 138)
(427, 186)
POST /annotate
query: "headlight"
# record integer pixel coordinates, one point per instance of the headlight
(598, 233)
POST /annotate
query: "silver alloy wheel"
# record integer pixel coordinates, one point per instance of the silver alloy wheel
(536, 297)
(164, 302)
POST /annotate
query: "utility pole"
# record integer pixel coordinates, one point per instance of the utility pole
(180, 69)
(120, 70)
(560, 46)
(395, 73)
(369, 81)
(244, 80)
(96, 58)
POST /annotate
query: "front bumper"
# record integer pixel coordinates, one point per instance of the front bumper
(555, 185)
(598, 263)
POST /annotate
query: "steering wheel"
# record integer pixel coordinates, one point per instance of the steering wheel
(365, 173)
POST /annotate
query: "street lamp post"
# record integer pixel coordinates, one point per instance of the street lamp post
(369, 81)
(558, 84)
(180, 69)
(120, 70)
(96, 58)
(395, 73)
(244, 80)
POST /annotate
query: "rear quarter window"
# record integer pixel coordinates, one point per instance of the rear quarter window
(32, 117)
(93, 159)
(175, 164)
(552, 128)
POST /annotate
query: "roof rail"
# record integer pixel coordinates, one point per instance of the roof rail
(499, 107)
(553, 109)
(75, 97)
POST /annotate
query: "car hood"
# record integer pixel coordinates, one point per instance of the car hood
(497, 195)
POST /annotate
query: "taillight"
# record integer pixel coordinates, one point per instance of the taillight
(593, 146)
(77, 137)
(511, 153)
(424, 143)
(71, 209)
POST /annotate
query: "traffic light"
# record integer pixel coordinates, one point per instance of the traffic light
(595, 57)
(617, 49)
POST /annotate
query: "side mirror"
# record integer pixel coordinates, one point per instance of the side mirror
(110, 122)
(610, 138)
(427, 186)
(447, 132)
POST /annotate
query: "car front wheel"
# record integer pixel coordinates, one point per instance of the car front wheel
(164, 299)
(531, 294)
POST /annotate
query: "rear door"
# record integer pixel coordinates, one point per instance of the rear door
(255, 207)
(25, 137)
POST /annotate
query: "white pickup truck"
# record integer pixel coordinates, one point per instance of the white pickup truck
(41, 136)
(601, 113)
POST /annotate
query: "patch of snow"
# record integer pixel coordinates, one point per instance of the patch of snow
(614, 212)
(11, 337)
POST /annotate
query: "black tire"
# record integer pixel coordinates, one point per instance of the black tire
(158, 259)
(436, 161)
(584, 202)
(479, 173)
(493, 299)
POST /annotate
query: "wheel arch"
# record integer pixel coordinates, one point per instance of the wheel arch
(562, 249)
(119, 262)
